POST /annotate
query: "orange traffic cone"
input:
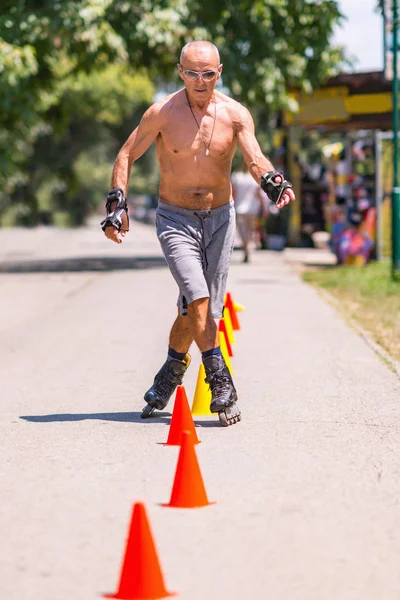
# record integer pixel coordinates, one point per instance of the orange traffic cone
(224, 351)
(181, 420)
(222, 328)
(202, 395)
(232, 309)
(188, 490)
(228, 323)
(141, 576)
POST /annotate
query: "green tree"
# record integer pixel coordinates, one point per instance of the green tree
(35, 36)
(267, 47)
(70, 166)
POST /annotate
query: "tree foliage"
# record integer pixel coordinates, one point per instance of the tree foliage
(85, 130)
(68, 165)
(51, 49)
(267, 46)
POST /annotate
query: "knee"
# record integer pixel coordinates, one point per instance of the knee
(199, 307)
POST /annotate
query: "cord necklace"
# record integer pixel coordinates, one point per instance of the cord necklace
(198, 125)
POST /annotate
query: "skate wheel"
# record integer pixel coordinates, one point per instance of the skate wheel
(229, 417)
(223, 419)
(147, 411)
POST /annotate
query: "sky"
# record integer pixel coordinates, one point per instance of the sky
(361, 34)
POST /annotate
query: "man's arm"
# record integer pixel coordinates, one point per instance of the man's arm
(138, 142)
(258, 164)
(136, 145)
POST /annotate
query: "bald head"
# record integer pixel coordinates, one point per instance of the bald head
(200, 49)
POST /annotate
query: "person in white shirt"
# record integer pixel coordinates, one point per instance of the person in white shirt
(250, 201)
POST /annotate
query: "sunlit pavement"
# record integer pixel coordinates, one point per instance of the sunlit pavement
(307, 486)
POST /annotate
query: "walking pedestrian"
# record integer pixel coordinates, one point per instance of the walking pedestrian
(249, 205)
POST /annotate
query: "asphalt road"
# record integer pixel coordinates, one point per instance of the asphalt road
(307, 486)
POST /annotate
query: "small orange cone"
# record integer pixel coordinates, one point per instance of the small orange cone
(202, 395)
(188, 490)
(232, 309)
(224, 351)
(222, 327)
(141, 577)
(181, 420)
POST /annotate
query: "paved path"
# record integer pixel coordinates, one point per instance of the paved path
(307, 486)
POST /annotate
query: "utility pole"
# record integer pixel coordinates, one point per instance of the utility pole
(396, 188)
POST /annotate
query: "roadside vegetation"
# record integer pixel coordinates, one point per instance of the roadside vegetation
(369, 296)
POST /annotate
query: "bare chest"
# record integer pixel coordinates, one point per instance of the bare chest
(185, 134)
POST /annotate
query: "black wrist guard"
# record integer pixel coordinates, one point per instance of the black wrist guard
(117, 217)
(274, 190)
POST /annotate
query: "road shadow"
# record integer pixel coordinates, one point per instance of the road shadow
(79, 264)
(214, 423)
(122, 417)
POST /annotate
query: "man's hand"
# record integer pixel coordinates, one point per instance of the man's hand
(277, 188)
(287, 196)
(114, 235)
(116, 223)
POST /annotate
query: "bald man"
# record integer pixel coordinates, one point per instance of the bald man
(196, 131)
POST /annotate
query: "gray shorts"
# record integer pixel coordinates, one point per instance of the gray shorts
(197, 245)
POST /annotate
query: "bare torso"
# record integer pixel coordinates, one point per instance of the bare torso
(195, 147)
(188, 176)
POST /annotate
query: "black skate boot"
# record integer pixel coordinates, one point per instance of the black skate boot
(165, 383)
(223, 392)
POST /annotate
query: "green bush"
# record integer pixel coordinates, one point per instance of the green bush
(18, 215)
(62, 219)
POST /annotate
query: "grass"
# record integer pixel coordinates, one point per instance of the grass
(368, 295)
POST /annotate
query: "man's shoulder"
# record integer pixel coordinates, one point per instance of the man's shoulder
(231, 104)
(237, 111)
(163, 107)
(170, 100)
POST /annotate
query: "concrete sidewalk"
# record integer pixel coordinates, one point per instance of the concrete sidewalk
(309, 257)
(307, 485)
